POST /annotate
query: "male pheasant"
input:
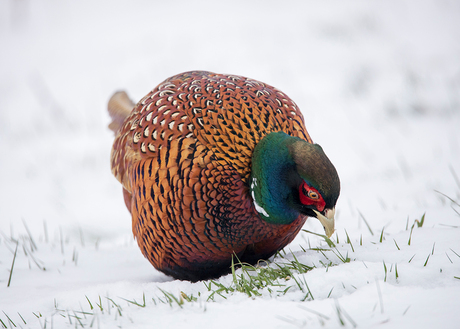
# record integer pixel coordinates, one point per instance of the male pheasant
(216, 165)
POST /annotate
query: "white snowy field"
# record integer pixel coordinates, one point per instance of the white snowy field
(379, 85)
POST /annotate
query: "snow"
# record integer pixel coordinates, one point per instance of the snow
(379, 85)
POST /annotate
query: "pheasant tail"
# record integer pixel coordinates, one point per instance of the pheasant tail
(119, 107)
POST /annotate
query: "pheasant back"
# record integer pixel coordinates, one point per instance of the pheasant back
(183, 155)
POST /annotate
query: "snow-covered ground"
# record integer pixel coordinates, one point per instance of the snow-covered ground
(379, 85)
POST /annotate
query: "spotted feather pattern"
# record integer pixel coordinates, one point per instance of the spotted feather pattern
(183, 156)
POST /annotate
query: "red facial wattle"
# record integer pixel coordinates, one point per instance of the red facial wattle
(310, 196)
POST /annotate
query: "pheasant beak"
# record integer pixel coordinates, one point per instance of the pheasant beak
(327, 221)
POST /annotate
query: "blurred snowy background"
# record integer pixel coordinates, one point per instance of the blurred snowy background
(378, 83)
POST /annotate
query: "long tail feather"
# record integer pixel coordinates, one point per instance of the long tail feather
(119, 107)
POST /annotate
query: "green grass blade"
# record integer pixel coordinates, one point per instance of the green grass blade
(118, 307)
(349, 241)
(308, 288)
(22, 318)
(410, 235)
(233, 270)
(11, 321)
(12, 264)
(134, 301)
(341, 312)
(454, 252)
(328, 241)
(452, 200)
(385, 268)
(381, 234)
(365, 221)
(426, 262)
(32, 242)
(90, 305)
(407, 309)
(100, 304)
(314, 312)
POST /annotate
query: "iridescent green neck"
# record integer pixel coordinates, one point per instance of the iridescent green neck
(271, 178)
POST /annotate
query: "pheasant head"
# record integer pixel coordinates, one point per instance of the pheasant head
(291, 177)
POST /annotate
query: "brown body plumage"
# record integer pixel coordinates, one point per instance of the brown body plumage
(183, 156)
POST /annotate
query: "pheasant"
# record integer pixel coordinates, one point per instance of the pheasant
(215, 166)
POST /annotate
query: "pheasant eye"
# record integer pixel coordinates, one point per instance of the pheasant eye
(313, 195)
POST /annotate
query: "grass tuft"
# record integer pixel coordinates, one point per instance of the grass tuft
(275, 278)
(100, 304)
(421, 222)
(254, 279)
(118, 307)
(188, 298)
(220, 289)
(170, 298)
